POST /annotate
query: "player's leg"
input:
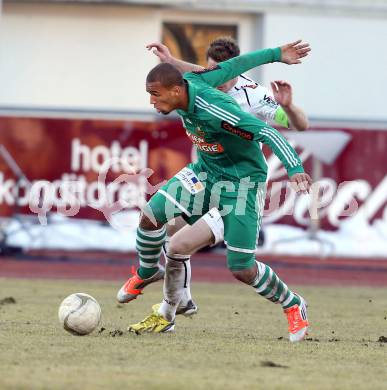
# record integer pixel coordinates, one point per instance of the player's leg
(187, 306)
(149, 241)
(241, 261)
(174, 226)
(168, 203)
(208, 230)
(176, 274)
(178, 270)
(161, 319)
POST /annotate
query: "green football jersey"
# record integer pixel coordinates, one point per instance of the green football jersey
(227, 138)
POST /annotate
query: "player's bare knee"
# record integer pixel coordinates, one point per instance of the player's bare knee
(146, 224)
(246, 276)
(242, 266)
(179, 246)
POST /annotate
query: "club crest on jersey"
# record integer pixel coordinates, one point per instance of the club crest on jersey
(237, 131)
(200, 131)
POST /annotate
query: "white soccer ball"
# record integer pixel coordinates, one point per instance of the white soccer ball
(79, 314)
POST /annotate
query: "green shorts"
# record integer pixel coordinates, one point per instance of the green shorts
(191, 195)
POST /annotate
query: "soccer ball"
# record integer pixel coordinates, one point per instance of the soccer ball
(79, 314)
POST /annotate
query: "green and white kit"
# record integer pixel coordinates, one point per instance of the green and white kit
(231, 171)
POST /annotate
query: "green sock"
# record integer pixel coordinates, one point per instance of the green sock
(271, 287)
(149, 244)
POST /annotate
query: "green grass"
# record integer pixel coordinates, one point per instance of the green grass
(223, 347)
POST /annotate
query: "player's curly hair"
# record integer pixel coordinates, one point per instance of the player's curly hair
(222, 49)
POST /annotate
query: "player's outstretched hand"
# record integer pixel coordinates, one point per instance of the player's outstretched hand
(282, 92)
(301, 183)
(160, 51)
(293, 52)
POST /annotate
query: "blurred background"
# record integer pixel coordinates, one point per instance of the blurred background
(72, 98)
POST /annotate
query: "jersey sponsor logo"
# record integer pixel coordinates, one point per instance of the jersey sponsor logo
(203, 145)
(237, 131)
(205, 70)
(195, 138)
(269, 100)
(210, 148)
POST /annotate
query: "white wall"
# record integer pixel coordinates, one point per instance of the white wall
(93, 56)
(74, 55)
(85, 56)
(346, 73)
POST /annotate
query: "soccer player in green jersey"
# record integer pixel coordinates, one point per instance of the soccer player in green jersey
(230, 174)
(252, 97)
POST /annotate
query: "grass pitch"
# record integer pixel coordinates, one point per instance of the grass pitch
(238, 340)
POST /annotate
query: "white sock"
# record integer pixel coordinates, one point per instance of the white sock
(187, 290)
(175, 280)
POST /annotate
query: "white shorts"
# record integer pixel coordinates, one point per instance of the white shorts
(215, 222)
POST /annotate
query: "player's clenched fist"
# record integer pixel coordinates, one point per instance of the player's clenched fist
(301, 182)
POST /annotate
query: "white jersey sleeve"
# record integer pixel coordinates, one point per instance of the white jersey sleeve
(254, 98)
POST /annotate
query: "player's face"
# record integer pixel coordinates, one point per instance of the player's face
(164, 99)
(226, 86)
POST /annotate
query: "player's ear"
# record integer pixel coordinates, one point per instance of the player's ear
(176, 90)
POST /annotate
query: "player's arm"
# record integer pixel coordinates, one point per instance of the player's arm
(165, 55)
(245, 125)
(288, 114)
(276, 107)
(264, 106)
(227, 70)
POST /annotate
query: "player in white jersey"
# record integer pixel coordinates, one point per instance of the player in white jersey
(278, 107)
(259, 101)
